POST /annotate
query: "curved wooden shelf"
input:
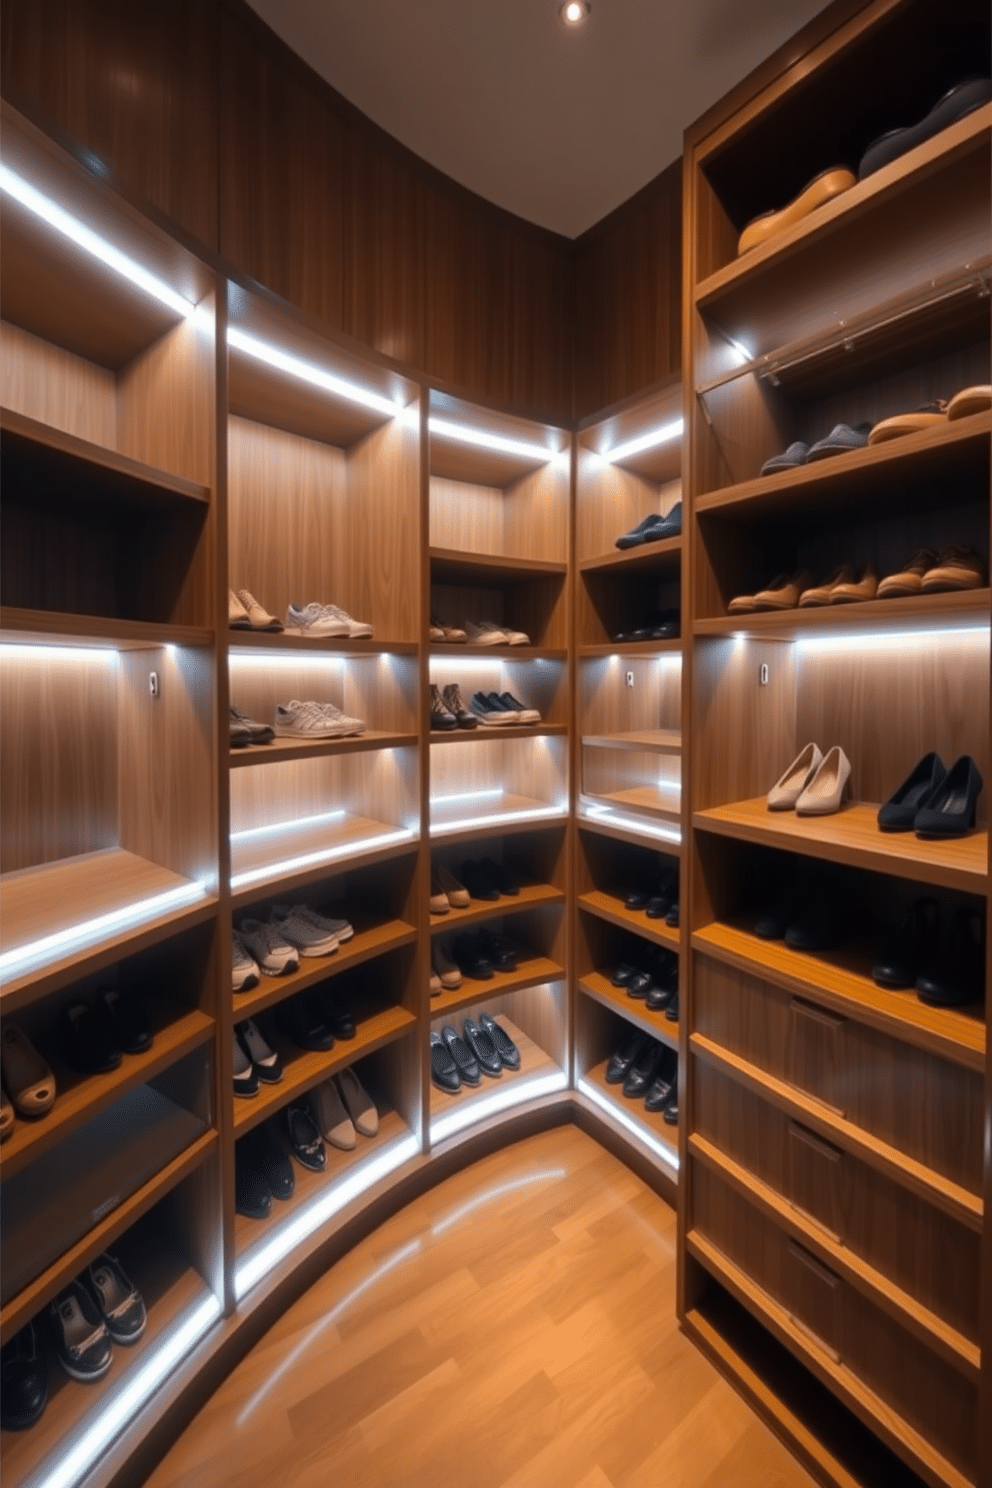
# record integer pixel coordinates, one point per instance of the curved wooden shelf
(610, 907)
(531, 896)
(645, 557)
(597, 986)
(279, 641)
(626, 827)
(301, 852)
(533, 971)
(484, 825)
(653, 1126)
(367, 942)
(292, 749)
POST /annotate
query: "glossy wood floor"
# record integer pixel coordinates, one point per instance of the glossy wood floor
(515, 1326)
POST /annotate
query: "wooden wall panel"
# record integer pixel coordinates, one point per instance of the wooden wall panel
(382, 210)
(135, 85)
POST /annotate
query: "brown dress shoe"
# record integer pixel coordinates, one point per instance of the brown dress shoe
(956, 568)
(783, 593)
(970, 400)
(850, 591)
(823, 188)
(927, 417)
(909, 580)
(823, 593)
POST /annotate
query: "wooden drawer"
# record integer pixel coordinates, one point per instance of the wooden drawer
(922, 1105)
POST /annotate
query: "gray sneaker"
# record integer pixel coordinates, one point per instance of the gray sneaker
(244, 972)
(302, 933)
(314, 620)
(309, 720)
(341, 929)
(268, 947)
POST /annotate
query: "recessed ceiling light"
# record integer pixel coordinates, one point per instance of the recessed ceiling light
(575, 11)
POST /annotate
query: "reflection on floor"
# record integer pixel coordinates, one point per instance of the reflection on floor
(516, 1326)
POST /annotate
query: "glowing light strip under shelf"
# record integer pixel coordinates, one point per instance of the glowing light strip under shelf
(124, 1401)
(321, 855)
(90, 932)
(469, 1112)
(495, 794)
(609, 817)
(893, 640)
(498, 819)
(30, 652)
(312, 373)
(339, 1194)
(482, 439)
(668, 1157)
(84, 237)
(287, 826)
(663, 434)
(265, 660)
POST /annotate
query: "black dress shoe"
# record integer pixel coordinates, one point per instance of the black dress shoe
(672, 917)
(303, 1019)
(23, 1380)
(252, 1195)
(899, 812)
(465, 1061)
(641, 1075)
(304, 1137)
(132, 1028)
(638, 898)
(817, 924)
(499, 877)
(468, 957)
(623, 1058)
(950, 810)
(664, 1085)
(914, 946)
(478, 882)
(670, 1115)
(672, 1010)
(88, 1039)
(666, 984)
(482, 1047)
(958, 976)
(337, 1016)
(444, 1070)
(497, 950)
(505, 1047)
(265, 1153)
(622, 973)
(773, 921)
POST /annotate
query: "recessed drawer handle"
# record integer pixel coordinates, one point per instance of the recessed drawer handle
(816, 1014)
(803, 1134)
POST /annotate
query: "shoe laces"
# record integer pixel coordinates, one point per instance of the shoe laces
(453, 698)
(269, 935)
(307, 713)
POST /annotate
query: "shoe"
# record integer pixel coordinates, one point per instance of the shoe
(797, 454)
(970, 400)
(258, 618)
(252, 1195)
(821, 189)
(790, 785)
(341, 929)
(265, 1062)
(470, 959)
(478, 883)
(502, 1042)
(237, 616)
(458, 895)
(672, 917)
(958, 101)
(465, 1061)
(87, 1040)
(451, 634)
(310, 720)
(524, 714)
(818, 923)
(26, 1077)
(266, 1154)
(244, 972)
(452, 698)
(622, 1059)
(490, 711)
(129, 1020)
(908, 582)
(434, 983)
(304, 1137)
(669, 526)
(949, 811)
(82, 1340)
(441, 716)
(266, 944)
(245, 730)
(672, 1010)
(438, 902)
(773, 921)
(645, 531)
(622, 973)
(856, 589)
(782, 593)
(444, 1070)
(444, 968)
(821, 594)
(513, 637)
(641, 1074)
(239, 736)
(435, 631)
(665, 987)
(6, 1115)
(670, 1115)
(361, 1106)
(355, 630)
(828, 788)
(300, 932)
(496, 949)
(23, 1380)
(117, 1299)
(482, 1047)
(664, 1085)
(486, 633)
(314, 621)
(914, 946)
(245, 1078)
(332, 1118)
(899, 812)
(303, 1019)
(337, 1016)
(841, 439)
(499, 877)
(958, 975)
(926, 417)
(957, 568)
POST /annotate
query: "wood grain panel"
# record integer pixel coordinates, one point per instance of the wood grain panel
(610, 703)
(737, 726)
(55, 387)
(166, 404)
(383, 299)
(383, 529)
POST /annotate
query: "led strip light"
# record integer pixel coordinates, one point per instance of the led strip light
(668, 1157)
(468, 1113)
(497, 818)
(664, 434)
(321, 855)
(608, 817)
(311, 372)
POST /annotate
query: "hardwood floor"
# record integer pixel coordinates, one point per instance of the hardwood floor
(514, 1327)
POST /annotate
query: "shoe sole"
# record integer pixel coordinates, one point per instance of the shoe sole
(88, 1377)
(899, 587)
(339, 632)
(823, 189)
(904, 423)
(945, 580)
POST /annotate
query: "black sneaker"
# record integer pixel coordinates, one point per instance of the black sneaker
(88, 1039)
(117, 1298)
(265, 1153)
(465, 1061)
(304, 1137)
(82, 1339)
(490, 711)
(444, 1070)
(502, 1042)
(252, 1194)
(23, 1380)
(131, 1024)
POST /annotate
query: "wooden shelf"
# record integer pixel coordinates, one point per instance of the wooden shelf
(632, 648)
(841, 980)
(61, 897)
(533, 1062)
(959, 1202)
(451, 566)
(646, 798)
(80, 1097)
(442, 649)
(628, 828)
(660, 741)
(367, 942)
(869, 615)
(531, 896)
(610, 907)
(55, 466)
(531, 972)
(53, 627)
(646, 557)
(498, 731)
(274, 858)
(279, 641)
(303, 1068)
(653, 1126)
(851, 836)
(495, 823)
(597, 986)
(293, 749)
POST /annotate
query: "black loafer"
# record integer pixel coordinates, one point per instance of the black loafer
(505, 1047)
(914, 946)
(482, 1047)
(252, 1195)
(469, 959)
(638, 898)
(88, 1039)
(670, 1115)
(303, 1019)
(23, 1380)
(444, 1070)
(265, 1153)
(478, 882)
(664, 1084)
(666, 984)
(672, 917)
(623, 1058)
(672, 1010)
(131, 1024)
(642, 1073)
(899, 812)
(958, 977)
(958, 101)
(465, 1061)
(497, 950)
(622, 973)
(818, 923)
(950, 809)
(304, 1137)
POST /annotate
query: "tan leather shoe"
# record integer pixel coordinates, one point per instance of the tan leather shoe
(909, 580)
(909, 423)
(789, 787)
(237, 616)
(744, 604)
(821, 189)
(783, 594)
(26, 1076)
(970, 400)
(956, 568)
(861, 587)
(259, 618)
(438, 902)
(821, 594)
(827, 790)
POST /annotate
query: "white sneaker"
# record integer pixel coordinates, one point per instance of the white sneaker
(244, 972)
(485, 633)
(361, 1107)
(314, 620)
(332, 1118)
(302, 933)
(268, 947)
(344, 720)
(342, 930)
(513, 637)
(356, 629)
(309, 720)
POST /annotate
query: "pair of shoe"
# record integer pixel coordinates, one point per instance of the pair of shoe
(445, 974)
(262, 1172)
(255, 1061)
(448, 710)
(449, 635)
(841, 439)
(955, 104)
(659, 625)
(312, 720)
(934, 801)
(951, 570)
(811, 914)
(969, 400)
(446, 891)
(653, 980)
(494, 633)
(314, 1018)
(500, 708)
(343, 1107)
(245, 730)
(94, 1036)
(276, 945)
(96, 1310)
(647, 1070)
(946, 972)
(487, 880)
(815, 784)
(659, 898)
(653, 528)
(27, 1077)
(245, 613)
(483, 1047)
(317, 621)
(480, 954)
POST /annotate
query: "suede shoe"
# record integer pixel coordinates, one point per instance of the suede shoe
(899, 812)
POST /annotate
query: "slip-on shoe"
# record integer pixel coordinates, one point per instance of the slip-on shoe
(361, 1107)
(664, 1084)
(782, 593)
(789, 459)
(926, 417)
(908, 582)
(816, 193)
(504, 1045)
(828, 788)
(640, 534)
(957, 977)
(465, 1061)
(444, 1070)
(958, 101)
(87, 1038)
(793, 781)
(623, 1058)
(304, 1136)
(898, 814)
(957, 568)
(841, 439)
(640, 1077)
(469, 957)
(482, 1047)
(950, 809)
(969, 400)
